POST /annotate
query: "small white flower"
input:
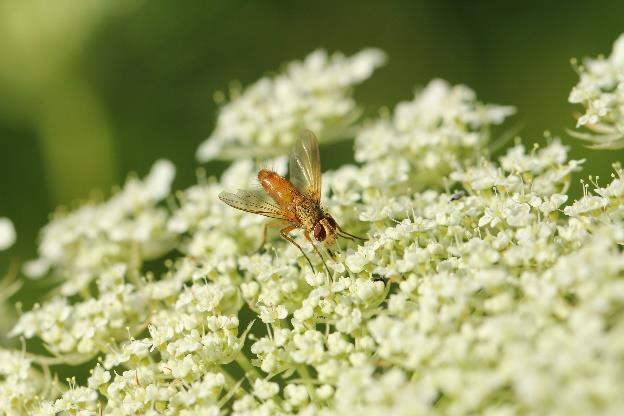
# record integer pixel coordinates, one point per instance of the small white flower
(297, 395)
(270, 314)
(356, 261)
(325, 392)
(265, 389)
(308, 347)
(157, 184)
(315, 279)
(98, 377)
(367, 291)
(7, 233)
(37, 268)
(586, 205)
(516, 214)
(304, 313)
(555, 201)
(76, 400)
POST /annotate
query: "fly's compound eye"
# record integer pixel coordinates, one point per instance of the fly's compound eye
(319, 232)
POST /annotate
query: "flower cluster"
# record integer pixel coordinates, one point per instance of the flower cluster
(87, 327)
(601, 91)
(502, 296)
(20, 383)
(129, 227)
(268, 115)
(429, 135)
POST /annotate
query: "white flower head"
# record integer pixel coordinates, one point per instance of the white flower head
(480, 289)
(269, 114)
(600, 91)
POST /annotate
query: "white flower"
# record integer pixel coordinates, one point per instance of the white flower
(315, 279)
(157, 184)
(555, 201)
(265, 389)
(308, 347)
(357, 260)
(585, 205)
(77, 400)
(297, 395)
(516, 214)
(98, 377)
(270, 314)
(36, 268)
(7, 233)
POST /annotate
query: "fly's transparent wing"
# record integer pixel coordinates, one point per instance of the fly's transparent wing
(254, 201)
(305, 166)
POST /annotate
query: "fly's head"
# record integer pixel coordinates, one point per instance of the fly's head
(325, 231)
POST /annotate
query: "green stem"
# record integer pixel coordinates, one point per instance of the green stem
(136, 262)
(234, 387)
(73, 359)
(250, 370)
(307, 380)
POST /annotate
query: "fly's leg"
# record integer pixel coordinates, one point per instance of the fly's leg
(266, 228)
(307, 236)
(284, 232)
(331, 254)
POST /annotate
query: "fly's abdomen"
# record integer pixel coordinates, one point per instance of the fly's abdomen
(277, 187)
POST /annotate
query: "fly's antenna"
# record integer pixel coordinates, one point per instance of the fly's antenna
(342, 233)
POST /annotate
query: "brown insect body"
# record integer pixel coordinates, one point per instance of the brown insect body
(294, 203)
(304, 210)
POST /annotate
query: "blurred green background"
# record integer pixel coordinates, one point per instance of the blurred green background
(90, 90)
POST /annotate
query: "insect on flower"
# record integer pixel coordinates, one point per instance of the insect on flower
(295, 202)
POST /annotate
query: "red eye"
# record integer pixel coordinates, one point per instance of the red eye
(319, 232)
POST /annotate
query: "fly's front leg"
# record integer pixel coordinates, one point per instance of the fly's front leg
(284, 232)
(331, 254)
(307, 236)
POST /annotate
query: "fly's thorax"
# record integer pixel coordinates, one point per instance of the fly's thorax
(308, 212)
